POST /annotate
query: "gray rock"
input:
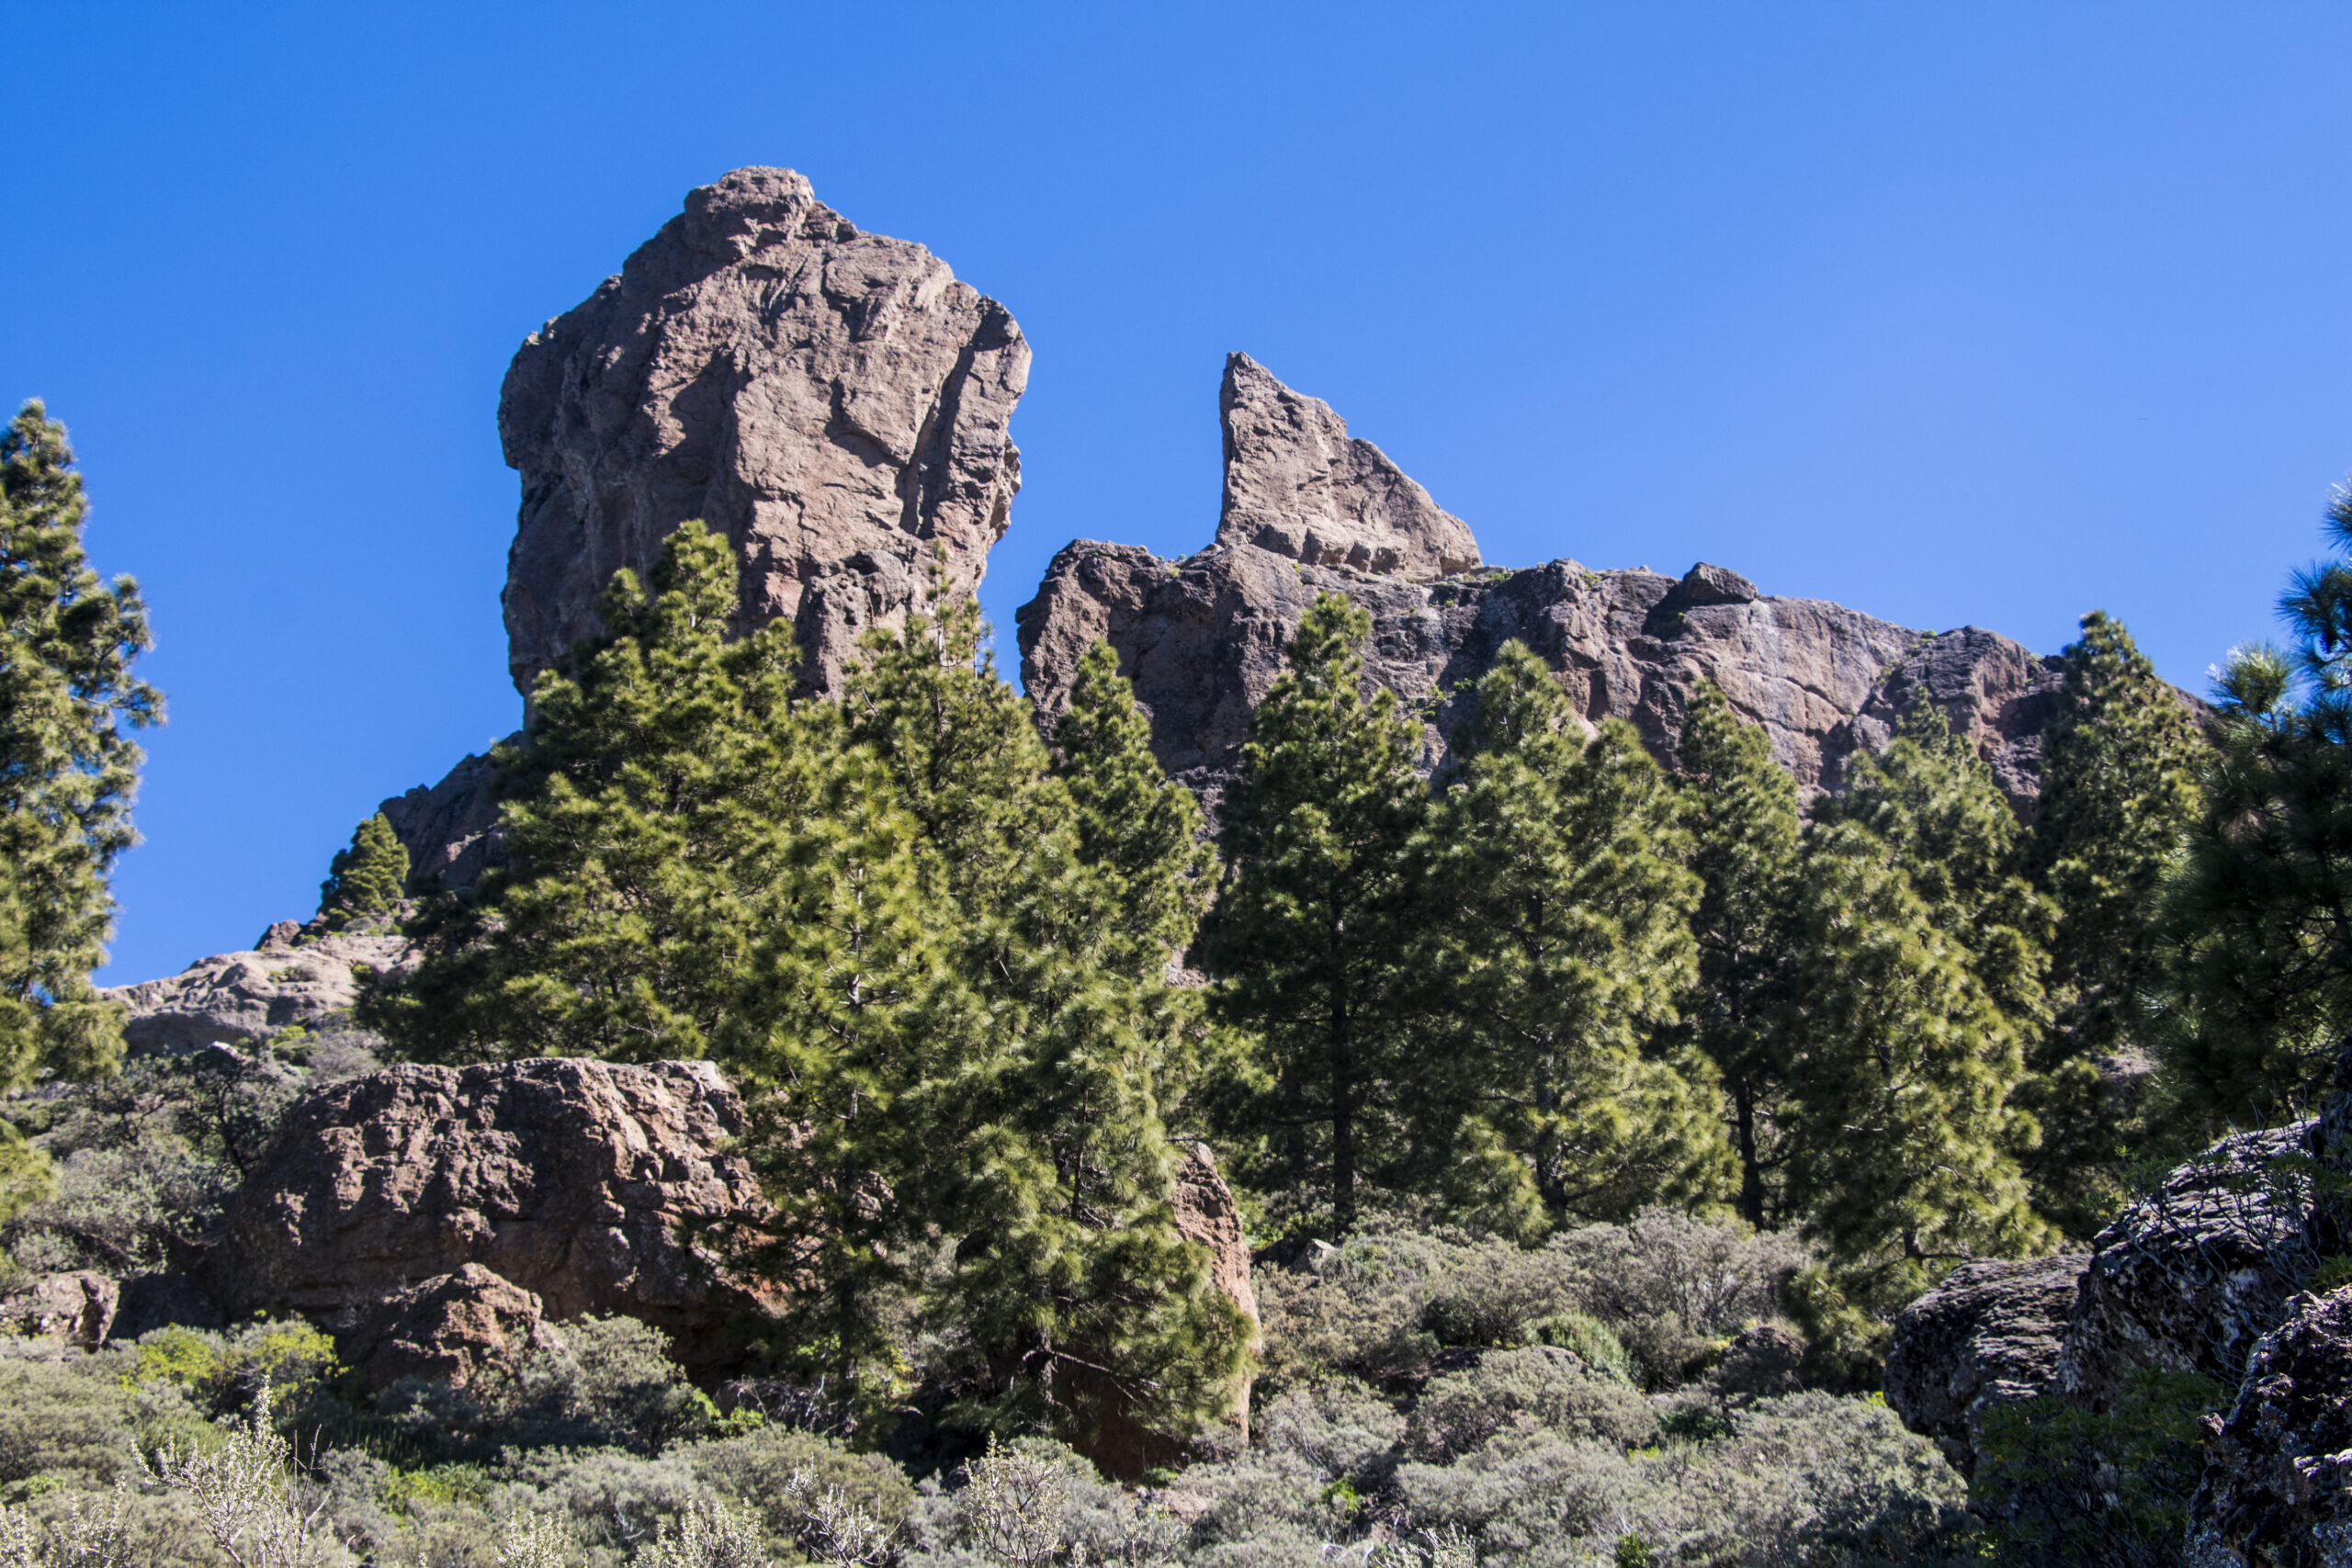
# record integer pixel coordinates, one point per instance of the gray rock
(450, 829)
(582, 1182)
(78, 1308)
(2277, 1490)
(833, 402)
(1203, 639)
(1297, 484)
(1990, 1334)
(298, 976)
(2190, 1277)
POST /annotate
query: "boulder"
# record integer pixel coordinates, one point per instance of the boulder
(295, 976)
(1297, 484)
(78, 1307)
(2277, 1490)
(448, 1329)
(164, 1298)
(590, 1186)
(1309, 511)
(833, 402)
(1989, 1334)
(2190, 1277)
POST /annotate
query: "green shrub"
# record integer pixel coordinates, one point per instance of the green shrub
(2062, 1482)
(1591, 1342)
(1521, 1392)
(60, 1426)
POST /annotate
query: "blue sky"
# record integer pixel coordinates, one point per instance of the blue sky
(1957, 313)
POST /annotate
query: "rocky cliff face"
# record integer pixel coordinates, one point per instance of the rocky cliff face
(835, 402)
(295, 976)
(1307, 512)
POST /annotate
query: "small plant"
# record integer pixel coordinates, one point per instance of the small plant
(834, 1531)
(708, 1534)
(241, 1492)
(535, 1541)
(1011, 1505)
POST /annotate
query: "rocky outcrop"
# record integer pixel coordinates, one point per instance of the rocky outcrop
(1297, 484)
(2278, 1483)
(1203, 639)
(1988, 1334)
(835, 402)
(1307, 511)
(449, 1329)
(450, 829)
(2191, 1276)
(591, 1186)
(78, 1307)
(295, 976)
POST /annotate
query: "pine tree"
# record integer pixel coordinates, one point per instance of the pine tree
(2261, 957)
(1307, 939)
(658, 783)
(2119, 791)
(1902, 1055)
(68, 767)
(1141, 830)
(1561, 942)
(369, 878)
(1741, 808)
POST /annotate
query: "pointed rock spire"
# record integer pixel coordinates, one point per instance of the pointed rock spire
(1297, 484)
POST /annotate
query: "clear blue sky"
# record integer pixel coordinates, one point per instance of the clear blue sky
(1957, 313)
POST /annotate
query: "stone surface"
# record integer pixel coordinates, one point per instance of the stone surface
(1297, 484)
(448, 1329)
(1989, 1334)
(1202, 641)
(164, 1298)
(835, 402)
(449, 829)
(78, 1307)
(297, 975)
(582, 1182)
(2278, 1483)
(2190, 1277)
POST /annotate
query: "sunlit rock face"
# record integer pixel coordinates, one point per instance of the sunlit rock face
(835, 402)
(1309, 510)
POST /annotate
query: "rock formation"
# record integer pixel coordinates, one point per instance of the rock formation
(1989, 1334)
(2277, 1484)
(835, 402)
(1297, 484)
(450, 829)
(295, 977)
(78, 1307)
(1307, 511)
(583, 1183)
(449, 1329)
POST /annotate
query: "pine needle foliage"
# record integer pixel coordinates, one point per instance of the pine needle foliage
(2119, 765)
(1902, 1055)
(1310, 935)
(644, 811)
(2261, 953)
(68, 766)
(1740, 808)
(1558, 910)
(1140, 830)
(370, 876)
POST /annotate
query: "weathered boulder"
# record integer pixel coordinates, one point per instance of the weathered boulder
(586, 1183)
(835, 402)
(2190, 1277)
(78, 1307)
(1297, 484)
(1307, 511)
(295, 976)
(1203, 639)
(1989, 1334)
(2278, 1485)
(448, 1329)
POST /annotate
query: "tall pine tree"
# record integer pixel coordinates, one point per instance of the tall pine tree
(1138, 827)
(1307, 940)
(369, 877)
(68, 766)
(1560, 908)
(1741, 811)
(1905, 1035)
(2119, 791)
